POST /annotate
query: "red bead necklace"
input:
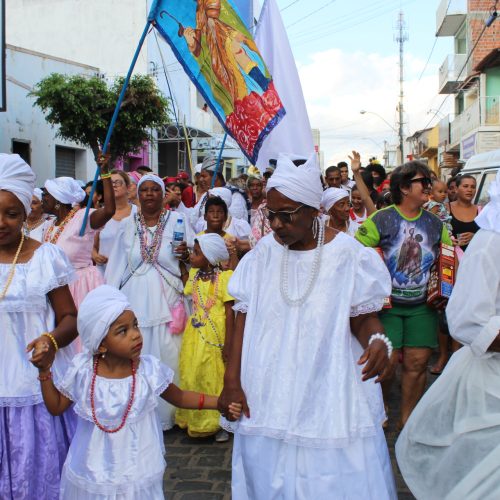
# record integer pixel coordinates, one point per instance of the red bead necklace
(92, 399)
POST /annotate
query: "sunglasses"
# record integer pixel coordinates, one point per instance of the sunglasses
(425, 182)
(285, 217)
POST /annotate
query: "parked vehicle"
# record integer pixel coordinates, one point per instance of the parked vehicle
(484, 168)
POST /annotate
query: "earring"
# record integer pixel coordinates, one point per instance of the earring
(103, 355)
(315, 227)
(57, 206)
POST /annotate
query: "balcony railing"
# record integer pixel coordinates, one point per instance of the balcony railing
(449, 18)
(451, 74)
(484, 112)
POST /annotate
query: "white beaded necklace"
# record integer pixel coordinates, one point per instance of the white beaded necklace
(294, 302)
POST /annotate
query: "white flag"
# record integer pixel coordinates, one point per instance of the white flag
(293, 134)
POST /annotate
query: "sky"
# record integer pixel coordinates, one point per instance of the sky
(348, 61)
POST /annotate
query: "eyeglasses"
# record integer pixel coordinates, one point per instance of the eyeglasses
(285, 217)
(118, 183)
(426, 182)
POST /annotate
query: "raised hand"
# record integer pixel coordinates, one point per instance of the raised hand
(355, 160)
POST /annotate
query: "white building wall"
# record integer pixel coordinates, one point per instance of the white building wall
(26, 123)
(102, 33)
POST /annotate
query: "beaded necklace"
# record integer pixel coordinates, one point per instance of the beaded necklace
(12, 271)
(149, 253)
(29, 227)
(92, 399)
(53, 239)
(205, 307)
(294, 302)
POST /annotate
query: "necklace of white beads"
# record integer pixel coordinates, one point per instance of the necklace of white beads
(313, 275)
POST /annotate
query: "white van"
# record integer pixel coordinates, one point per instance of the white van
(484, 168)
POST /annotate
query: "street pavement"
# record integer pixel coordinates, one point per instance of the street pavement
(200, 469)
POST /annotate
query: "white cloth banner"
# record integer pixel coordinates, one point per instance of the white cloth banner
(293, 134)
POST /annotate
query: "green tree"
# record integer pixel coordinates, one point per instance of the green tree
(83, 107)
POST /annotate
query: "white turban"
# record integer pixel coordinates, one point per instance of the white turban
(17, 177)
(301, 184)
(213, 247)
(152, 178)
(98, 310)
(223, 193)
(65, 190)
(331, 196)
(489, 218)
(37, 193)
(197, 169)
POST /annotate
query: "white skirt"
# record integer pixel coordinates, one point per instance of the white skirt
(159, 342)
(450, 447)
(271, 469)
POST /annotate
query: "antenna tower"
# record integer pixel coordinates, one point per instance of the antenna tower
(401, 37)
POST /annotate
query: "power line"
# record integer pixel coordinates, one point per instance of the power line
(289, 5)
(310, 14)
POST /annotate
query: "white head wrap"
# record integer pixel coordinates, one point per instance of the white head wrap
(197, 169)
(65, 190)
(213, 247)
(210, 163)
(37, 193)
(17, 177)
(331, 196)
(301, 184)
(223, 193)
(98, 310)
(489, 218)
(153, 178)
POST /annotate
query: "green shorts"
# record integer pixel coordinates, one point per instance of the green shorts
(410, 326)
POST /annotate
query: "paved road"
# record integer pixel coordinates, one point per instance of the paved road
(200, 469)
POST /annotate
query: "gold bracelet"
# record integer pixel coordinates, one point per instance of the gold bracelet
(52, 339)
(105, 176)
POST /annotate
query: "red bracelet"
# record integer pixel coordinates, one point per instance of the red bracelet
(42, 378)
(201, 401)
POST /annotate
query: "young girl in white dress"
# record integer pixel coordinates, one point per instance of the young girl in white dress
(117, 450)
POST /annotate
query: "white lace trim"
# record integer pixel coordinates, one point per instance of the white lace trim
(32, 400)
(55, 282)
(112, 490)
(163, 386)
(366, 308)
(307, 442)
(240, 307)
(227, 425)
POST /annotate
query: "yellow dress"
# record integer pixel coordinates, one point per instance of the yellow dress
(201, 368)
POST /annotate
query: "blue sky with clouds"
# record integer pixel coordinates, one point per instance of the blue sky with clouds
(347, 60)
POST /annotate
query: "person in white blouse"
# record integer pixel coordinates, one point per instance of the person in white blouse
(450, 446)
(302, 369)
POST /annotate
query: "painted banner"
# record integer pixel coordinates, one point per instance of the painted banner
(219, 54)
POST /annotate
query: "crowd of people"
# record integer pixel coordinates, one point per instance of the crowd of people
(255, 306)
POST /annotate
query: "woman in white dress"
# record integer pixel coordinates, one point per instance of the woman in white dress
(306, 343)
(144, 267)
(105, 239)
(450, 446)
(38, 313)
(37, 222)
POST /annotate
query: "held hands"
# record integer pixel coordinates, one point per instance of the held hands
(43, 354)
(377, 362)
(355, 162)
(232, 398)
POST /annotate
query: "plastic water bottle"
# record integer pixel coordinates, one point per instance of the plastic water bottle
(178, 237)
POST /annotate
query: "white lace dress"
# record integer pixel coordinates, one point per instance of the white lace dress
(151, 294)
(315, 427)
(128, 464)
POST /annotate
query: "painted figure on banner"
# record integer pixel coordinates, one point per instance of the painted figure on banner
(219, 54)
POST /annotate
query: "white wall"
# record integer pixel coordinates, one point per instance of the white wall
(102, 33)
(24, 122)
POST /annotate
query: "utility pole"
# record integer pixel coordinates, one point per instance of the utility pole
(401, 37)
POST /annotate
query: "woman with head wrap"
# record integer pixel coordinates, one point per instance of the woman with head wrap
(37, 221)
(302, 352)
(132, 195)
(203, 351)
(62, 198)
(144, 265)
(36, 313)
(335, 203)
(117, 450)
(258, 221)
(450, 446)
